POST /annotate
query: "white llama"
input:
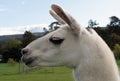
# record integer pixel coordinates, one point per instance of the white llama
(73, 46)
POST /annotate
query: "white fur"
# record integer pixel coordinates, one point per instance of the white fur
(82, 50)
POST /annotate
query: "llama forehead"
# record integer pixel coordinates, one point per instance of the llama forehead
(61, 32)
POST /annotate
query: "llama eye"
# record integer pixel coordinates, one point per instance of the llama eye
(56, 40)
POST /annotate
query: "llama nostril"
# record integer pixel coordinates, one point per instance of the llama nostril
(24, 51)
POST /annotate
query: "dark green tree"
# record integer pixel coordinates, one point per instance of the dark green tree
(27, 38)
(117, 51)
(114, 21)
(1, 51)
(92, 23)
(1, 48)
(54, 25)
(114, 38)
(12, 50)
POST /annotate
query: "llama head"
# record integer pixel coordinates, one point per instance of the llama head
(60, 47)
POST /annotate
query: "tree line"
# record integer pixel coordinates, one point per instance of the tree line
(12, 50)
(110, 33)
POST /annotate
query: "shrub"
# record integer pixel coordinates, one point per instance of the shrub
(11, 61)
(117, 51)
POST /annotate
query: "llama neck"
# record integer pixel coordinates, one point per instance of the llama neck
(96, 63)
(96, 71)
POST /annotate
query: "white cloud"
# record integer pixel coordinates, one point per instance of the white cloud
(9, 31)
(21, 29)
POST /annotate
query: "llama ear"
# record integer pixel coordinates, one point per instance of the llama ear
(57, 17)
(58, 13)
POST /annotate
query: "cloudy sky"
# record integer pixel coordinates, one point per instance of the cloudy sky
(16, 16)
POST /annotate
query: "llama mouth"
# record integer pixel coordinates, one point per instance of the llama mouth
(28, 61)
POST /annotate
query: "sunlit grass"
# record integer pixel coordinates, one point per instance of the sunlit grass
(12, 73)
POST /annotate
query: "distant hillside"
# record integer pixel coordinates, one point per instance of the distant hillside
(4, 39)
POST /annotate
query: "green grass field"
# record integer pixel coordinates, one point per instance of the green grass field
(11, 73)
